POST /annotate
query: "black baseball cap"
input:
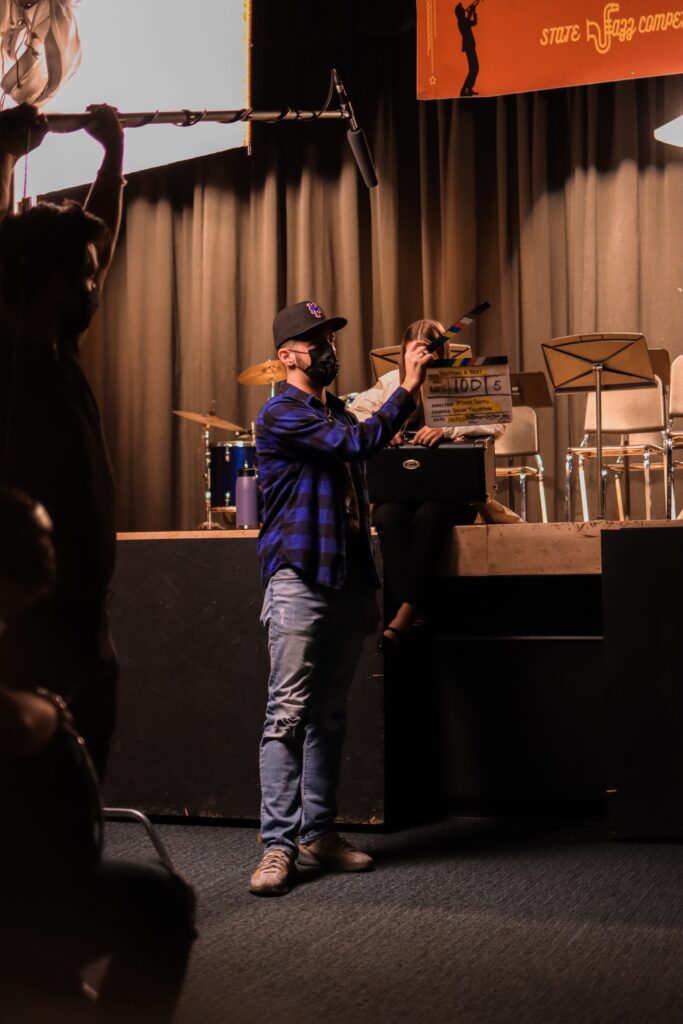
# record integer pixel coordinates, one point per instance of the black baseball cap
(293, 321)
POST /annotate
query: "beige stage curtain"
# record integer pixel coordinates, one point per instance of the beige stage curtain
(581, 232)
(558, 207)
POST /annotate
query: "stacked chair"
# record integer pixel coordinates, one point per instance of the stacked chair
(520, 440)
(674, 438)
(638, 417)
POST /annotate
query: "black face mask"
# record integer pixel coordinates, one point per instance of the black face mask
(324, 365)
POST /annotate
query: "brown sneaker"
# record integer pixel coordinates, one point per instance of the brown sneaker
(333, 852)
(275, 873)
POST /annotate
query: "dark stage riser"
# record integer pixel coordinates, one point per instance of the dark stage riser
(500, 710)
(643, 600)
(194, 672)
(514, 704)
(510, 699)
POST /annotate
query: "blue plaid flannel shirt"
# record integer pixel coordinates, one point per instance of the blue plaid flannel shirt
(302, 446)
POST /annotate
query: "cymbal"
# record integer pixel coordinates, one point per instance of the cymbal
(268, 372)
(207, 419)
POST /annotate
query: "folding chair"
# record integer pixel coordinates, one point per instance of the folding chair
(520, 440)
(674, 438)
(627, 412)
(129, 814)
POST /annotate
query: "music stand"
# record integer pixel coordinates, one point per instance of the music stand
(598, 362)
(531, 389)
(382, 360)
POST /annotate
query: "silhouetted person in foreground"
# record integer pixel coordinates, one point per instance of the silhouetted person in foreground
(467, 20)
(63, 906)
(53, 261)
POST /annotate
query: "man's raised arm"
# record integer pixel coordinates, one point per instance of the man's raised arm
(105, 198)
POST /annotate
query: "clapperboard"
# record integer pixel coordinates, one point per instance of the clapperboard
(468, 392)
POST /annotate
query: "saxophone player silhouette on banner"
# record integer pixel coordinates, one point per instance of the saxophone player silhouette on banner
(467, 20)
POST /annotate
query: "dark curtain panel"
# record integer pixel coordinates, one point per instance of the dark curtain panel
(559, 207)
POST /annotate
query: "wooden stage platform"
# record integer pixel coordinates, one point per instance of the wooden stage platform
(550, 647)
(534, 549)
(522, 549)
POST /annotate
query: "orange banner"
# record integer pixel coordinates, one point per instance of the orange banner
(491, 47)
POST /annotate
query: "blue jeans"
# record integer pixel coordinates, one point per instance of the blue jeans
(315, 636)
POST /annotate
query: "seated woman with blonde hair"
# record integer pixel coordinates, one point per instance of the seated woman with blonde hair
(412, 535)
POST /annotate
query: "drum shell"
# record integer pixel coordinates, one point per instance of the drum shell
(227, 459)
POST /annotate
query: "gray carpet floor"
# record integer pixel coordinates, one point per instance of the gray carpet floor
(461, 923)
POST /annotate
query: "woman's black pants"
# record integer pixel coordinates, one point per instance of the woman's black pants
(411, 538)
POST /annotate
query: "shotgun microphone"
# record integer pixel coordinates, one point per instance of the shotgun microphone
(355, 135)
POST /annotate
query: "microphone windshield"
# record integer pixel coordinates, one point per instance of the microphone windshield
(363, 156)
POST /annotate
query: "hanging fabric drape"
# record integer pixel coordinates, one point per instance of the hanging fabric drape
(39, 46)
(558, 207)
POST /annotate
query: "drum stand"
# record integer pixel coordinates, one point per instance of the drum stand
(207, 421)
(208, 523)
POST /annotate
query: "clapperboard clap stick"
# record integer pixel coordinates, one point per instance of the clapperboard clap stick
(459, 326)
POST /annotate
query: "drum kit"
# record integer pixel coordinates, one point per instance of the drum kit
(223, 460)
